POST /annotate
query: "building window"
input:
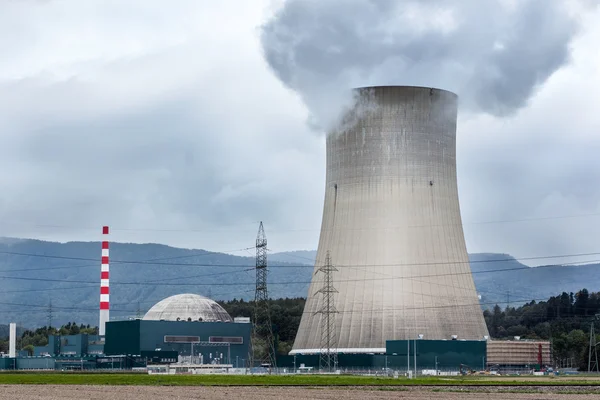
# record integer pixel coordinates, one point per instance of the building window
(181, 339)
(226, 339)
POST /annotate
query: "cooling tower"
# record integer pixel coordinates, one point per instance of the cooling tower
(392, 225)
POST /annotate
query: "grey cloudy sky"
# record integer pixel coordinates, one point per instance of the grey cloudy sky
(187, 125)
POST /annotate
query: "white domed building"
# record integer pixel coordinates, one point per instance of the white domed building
(185, 325)
(188, 307)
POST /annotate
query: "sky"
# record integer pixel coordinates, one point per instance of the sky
(188, 125)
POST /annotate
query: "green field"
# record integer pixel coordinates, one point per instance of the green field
(278, 380)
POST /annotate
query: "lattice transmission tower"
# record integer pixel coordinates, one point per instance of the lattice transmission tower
(593, 348)
(262, 328)
(328, 355)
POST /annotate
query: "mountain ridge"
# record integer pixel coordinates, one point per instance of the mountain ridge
(44, 280)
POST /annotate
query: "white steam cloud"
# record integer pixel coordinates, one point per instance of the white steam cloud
(493, 54)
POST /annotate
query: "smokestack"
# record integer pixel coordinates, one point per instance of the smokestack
(104, 285)
(12, 347)
(392, 224)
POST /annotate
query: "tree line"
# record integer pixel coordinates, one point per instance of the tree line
(565, 320)
(285, 317)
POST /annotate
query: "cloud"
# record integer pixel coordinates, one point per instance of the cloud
(169, 125)
(538, 166)
(494, 54)
(150, 123)
(527, 135)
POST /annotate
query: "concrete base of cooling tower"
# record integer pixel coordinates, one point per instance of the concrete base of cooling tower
(374, 350)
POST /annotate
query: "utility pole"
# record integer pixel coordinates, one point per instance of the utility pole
(49, 315)
(593, 364)
(328, 355)
(415, 357)
(262, 328)
(407, 357)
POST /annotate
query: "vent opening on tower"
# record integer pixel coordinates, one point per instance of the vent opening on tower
(334, 200)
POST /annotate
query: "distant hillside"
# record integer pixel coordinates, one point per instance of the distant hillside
(512, 281)
(67, 275)
(28, 284)
(300, 256)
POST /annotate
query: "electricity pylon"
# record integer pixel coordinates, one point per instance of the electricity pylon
(328, 354)
(262, 328)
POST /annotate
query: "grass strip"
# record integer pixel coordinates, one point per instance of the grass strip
(266, 380)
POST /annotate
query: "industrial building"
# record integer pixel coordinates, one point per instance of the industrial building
(392, 227)
(513, 355)
(185, 328)
(407, 355)
(71, 345)
(195, 342)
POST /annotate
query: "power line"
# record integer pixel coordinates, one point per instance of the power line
(42, 307)
(160, 283)
(430, 295)
(143, 262)
(200, 276)
(204, 253)
(51, 289)
(312, 260)
(247, 227)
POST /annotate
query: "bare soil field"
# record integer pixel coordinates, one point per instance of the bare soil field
(541, 379)
(47, 392)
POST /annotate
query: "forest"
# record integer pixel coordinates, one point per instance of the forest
(564, 319)
(285, 317)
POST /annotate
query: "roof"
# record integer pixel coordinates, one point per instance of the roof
(187, 307)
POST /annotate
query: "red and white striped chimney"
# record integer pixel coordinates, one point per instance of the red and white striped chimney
(104, 279)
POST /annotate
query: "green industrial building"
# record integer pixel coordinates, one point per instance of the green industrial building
(438, 354)
(218, 342)
(405, 355)
(184, 328)
(71, 345)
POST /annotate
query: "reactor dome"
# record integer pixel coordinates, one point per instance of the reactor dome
(187, 307)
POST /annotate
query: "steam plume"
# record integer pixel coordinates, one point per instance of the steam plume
(493, 54)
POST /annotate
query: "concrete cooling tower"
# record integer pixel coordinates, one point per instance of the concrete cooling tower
(392, 226)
